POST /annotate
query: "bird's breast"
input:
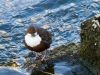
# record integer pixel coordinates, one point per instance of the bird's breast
(32, 41)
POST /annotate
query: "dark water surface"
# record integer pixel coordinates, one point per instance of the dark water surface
(61, 17)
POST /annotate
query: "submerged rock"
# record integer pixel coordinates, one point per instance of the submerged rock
(90, 43)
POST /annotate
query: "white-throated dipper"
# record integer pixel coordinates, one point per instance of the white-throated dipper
(38, 40)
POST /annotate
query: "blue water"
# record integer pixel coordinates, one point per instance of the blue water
(61, 17)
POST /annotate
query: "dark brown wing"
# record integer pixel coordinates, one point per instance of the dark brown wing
(45, 35)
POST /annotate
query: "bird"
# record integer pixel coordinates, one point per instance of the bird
(37, 40)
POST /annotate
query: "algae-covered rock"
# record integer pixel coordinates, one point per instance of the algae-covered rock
(90, 41)
(63, 52)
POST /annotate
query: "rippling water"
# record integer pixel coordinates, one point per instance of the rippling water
(61, 17)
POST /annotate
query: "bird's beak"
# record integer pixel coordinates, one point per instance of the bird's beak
(33, 35)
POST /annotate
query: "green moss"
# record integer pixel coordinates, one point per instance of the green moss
(90, 42)
(9, 63)
(64, 47)
(71, 44)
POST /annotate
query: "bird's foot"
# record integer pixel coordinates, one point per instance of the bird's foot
(43, 59)
(37, 57)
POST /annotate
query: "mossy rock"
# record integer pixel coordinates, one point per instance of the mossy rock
(90, 41)
(10, 63)
(61, 53)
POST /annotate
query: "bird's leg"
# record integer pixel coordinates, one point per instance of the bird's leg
(37, 56)
(44, 57)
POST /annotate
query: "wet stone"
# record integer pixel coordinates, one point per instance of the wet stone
(90, 43)
(62, 53)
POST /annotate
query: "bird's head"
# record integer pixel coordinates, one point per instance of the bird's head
(32, 38)
(31, 31)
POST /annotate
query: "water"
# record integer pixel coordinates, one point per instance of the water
(61, 17)
(63, 68)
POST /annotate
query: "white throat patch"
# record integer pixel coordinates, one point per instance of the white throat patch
(32, 41)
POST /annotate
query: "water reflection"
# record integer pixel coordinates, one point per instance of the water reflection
(49, 70)
(63, 68)
(12, 71)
